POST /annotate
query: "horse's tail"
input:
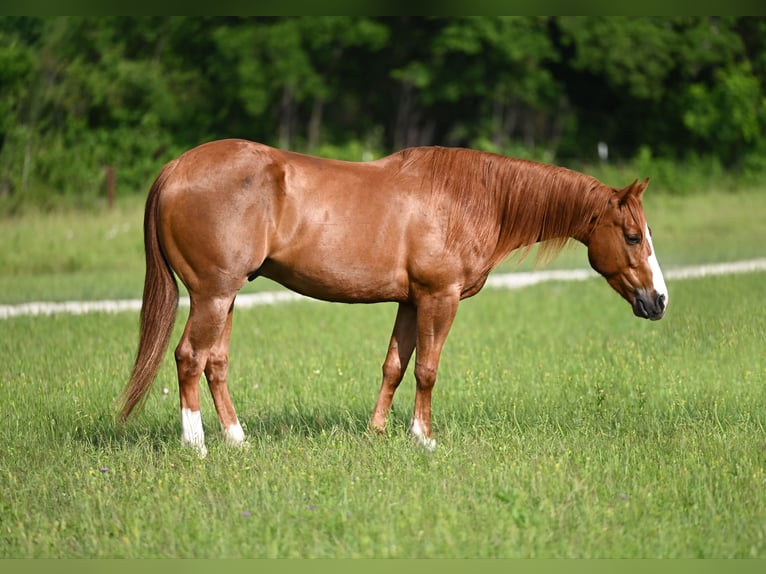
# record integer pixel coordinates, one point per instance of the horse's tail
(158, 310)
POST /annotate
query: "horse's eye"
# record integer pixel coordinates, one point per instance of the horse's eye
(633, 239)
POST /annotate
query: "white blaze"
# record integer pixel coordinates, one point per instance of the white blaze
(654, 265)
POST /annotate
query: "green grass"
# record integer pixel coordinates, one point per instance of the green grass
(566, 426)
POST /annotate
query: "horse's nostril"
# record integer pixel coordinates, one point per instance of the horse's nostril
(640, 308)
(661, 302)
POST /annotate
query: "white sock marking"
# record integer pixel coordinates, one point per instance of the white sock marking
(234, 435)
(192, 432)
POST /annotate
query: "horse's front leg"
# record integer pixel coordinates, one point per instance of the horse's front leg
(435, 314)
(398, 357)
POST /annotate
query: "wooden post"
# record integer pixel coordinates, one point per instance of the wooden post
(110, 186)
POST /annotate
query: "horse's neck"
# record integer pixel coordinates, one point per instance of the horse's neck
(563, 200)
(546, 204)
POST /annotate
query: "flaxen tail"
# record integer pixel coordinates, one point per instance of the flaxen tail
(158, 311)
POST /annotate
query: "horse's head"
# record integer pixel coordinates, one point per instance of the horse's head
(620, 248)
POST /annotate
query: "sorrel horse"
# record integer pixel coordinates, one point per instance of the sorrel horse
(422, 227)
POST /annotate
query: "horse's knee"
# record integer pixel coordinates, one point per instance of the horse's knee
(392, 370)
(425, 375)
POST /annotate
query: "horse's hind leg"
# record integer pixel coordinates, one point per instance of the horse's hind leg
(215, 372)
(399, 352)
(207, 321)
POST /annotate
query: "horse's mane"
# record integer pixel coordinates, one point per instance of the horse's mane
(528, 202)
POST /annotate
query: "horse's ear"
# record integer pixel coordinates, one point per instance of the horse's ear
(623, 194)
(636, 189)
(641, 187)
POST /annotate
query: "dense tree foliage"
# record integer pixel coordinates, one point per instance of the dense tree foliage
(81, 93)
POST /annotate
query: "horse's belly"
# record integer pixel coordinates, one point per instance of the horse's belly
(367, 279)
(362, 253)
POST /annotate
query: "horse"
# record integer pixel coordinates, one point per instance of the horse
(422, 227)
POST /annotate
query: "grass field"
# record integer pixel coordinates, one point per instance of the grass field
(566, 427)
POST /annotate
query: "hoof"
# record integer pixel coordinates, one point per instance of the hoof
(199, 448)
(376, 429)
(426, 442)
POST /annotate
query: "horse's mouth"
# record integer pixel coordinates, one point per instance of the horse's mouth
(650, 307)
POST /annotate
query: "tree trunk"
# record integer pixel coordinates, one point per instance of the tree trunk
(499, 137)
(315, 124)
(287, 111)
(403, 117)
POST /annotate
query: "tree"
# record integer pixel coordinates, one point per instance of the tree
(727, 117)
(657, 82)
(17, 68)
(81, 93)
(282, 64)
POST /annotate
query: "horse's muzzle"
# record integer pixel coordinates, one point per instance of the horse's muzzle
(649, 305)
